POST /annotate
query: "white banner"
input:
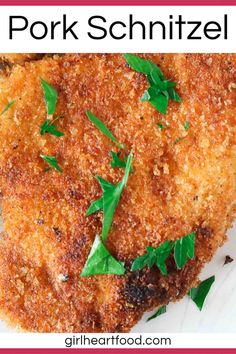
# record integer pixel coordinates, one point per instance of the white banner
(117, 29)
(112, 340)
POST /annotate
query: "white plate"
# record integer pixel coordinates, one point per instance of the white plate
(219, 311)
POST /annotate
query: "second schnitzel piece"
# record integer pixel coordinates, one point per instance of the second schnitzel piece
(182, 182)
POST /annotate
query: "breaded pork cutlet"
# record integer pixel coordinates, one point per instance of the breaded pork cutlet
(183, 182)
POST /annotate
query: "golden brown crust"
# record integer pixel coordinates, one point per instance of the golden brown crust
(8, 60)
(176, 188)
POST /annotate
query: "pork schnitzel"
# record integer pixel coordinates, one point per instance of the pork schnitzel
(183, 181)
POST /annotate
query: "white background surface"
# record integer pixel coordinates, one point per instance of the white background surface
(219, 311)
(23, 42)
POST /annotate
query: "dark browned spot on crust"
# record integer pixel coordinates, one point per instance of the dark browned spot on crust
(58, 233)
(76, 248)
(141, 287)
(203, 231)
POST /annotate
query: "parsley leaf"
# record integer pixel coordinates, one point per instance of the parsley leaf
(110, 198)
(52, 161)
(102, 127)
(173, 95)
(186, 125)
(157, 98)
(199, 294)
(95, 206)
(50, 97)
(178, 140)
(147, 260)
(161, 126)
(117, 162)
(7, 107)
(153, 256)
(139, 64)
(160, 90)
(49, 127)
(160, 102)
(184, 249)
(159, 312)
(158, 80)
(100, 261)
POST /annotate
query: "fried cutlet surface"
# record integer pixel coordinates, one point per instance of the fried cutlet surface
(176, 188)
(19, 58)
(8, 60)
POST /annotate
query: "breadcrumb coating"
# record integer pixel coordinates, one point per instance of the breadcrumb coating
(19, 58)
(176, 188)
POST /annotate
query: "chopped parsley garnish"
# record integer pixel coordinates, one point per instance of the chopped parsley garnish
(100, 261)
(160, 89)
(117, 162)
(161, 126)
(110, 199)
(142, 65)
(178, 140)
(49, 127)
(159, 312)
(95, 206)
(50, 97)
(102, 127)
(199, 294)
(7, 107)
(186, 125)
(157, 99)
(52, 161)
(157, 256)
(183, 249)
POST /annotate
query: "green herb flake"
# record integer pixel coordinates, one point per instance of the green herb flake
(50, 97)
(157, 256)
(49, 127)
(184, 249)
(95, 206)
(110, 198)
(161, 126)
(7, 107)
(141, 65)
(178, 140)
(173, 95)
(160, 90)
(102, 127)
(157, 98)
(159, 312)
(199, 294)
(100, 261)
(186, 125)
(52, 161)
(117, 162)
